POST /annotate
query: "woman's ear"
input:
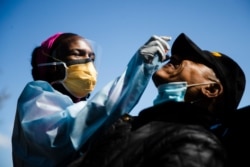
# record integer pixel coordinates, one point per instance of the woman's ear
(212, 90)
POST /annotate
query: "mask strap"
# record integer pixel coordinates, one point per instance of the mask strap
(198, 84)
(51, 63)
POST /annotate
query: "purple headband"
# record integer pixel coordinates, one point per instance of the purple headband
(48, 43)
(45, 48)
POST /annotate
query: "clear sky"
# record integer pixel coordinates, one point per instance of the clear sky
(118, 28)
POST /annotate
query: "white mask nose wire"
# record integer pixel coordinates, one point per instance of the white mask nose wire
(198, 84)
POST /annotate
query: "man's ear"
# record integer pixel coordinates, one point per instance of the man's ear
(212, 90)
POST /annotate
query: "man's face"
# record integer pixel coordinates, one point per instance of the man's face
(179, 69)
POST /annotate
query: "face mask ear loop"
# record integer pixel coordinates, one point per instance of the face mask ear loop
(53, 57)
(199, 84)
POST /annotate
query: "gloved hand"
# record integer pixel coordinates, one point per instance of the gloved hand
(156, 45)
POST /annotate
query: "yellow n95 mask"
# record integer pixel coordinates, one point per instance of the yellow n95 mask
(80, 76)
(80, 79)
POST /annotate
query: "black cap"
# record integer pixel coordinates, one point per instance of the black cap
(226, 69)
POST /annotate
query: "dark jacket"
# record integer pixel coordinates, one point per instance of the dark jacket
(167, 135)
(236, 138)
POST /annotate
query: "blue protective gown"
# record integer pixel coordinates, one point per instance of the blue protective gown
(49, 128)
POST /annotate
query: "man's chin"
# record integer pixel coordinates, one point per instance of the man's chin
(158, 80)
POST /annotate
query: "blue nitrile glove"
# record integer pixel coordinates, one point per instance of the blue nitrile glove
(156, 45)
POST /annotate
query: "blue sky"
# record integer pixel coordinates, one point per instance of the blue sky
(118, 28)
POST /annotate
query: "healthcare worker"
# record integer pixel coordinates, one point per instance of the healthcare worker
(54, 119)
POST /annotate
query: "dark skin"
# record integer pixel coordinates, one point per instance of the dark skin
(179, 69)
(73, 48)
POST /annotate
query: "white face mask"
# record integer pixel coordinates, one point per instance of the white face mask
(174, 91)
